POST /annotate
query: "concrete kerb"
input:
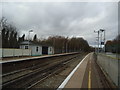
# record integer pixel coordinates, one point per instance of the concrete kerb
(37, 57)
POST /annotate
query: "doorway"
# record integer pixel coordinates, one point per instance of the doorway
(44, 50)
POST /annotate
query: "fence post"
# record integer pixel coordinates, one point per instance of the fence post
(118, 48)
(118, 73)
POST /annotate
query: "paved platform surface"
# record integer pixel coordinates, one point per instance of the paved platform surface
(17, 59)
(86, 75)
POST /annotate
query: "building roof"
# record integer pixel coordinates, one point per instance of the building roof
(26, 42)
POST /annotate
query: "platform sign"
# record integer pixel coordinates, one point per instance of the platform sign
(102, 43)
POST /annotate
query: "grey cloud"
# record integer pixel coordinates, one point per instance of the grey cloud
(69, 19)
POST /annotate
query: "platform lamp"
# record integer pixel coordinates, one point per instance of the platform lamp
(29, 39)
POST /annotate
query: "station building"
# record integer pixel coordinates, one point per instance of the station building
(36, 48)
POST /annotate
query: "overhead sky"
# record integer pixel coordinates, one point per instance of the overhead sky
(78, 19)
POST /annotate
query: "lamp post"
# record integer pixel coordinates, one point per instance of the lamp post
(29, 40)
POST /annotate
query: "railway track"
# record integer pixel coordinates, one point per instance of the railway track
(32, 67)
(36, 75)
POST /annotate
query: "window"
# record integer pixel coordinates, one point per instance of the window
(36, 49)
(50, 49)
(26, 47)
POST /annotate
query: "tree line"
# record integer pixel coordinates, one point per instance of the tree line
(8, 34)
(113, 45)
(64, 44)
(11, 39)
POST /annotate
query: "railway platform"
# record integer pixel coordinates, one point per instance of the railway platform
(18, 59)
(87, 74)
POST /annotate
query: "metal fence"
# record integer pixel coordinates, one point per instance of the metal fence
(14, 52)
(110, 65)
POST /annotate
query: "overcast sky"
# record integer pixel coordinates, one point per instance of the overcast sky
(78, 19)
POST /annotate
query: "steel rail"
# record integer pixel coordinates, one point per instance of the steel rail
(34, 73)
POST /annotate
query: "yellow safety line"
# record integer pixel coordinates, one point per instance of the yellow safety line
(89, 78)
(89, 81)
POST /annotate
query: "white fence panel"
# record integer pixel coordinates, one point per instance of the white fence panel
(26, 52)
(14, 52)
(17, 52)
(8, 52)
(0, 52)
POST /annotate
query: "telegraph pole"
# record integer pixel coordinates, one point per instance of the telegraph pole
(103, 41)
(98, 39)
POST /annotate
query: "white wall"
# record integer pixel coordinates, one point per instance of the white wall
(15, 52)
(34, 52)
(50, 50)
(33, 49)
(110, 66)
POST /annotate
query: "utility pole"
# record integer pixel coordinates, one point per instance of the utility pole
(103, 40)
(98, 39)
(54, 44)
(66, 45)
